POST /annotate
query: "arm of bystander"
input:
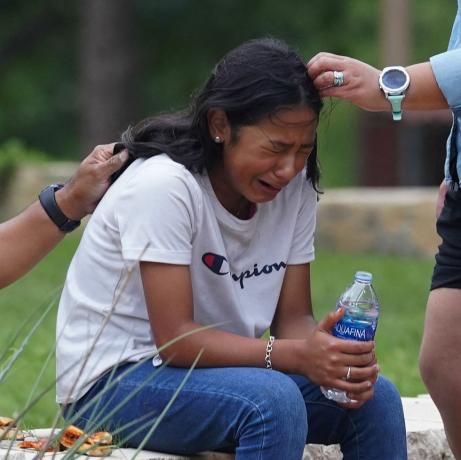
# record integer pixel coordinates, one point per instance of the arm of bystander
(28, 237)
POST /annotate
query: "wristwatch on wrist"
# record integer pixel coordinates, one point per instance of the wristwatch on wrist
(394, 81)
(48, 201)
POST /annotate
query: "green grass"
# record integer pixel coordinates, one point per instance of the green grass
(18, 302)
(401, 284)
(338, 144)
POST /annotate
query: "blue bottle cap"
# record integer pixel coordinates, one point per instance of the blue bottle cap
(364, 277)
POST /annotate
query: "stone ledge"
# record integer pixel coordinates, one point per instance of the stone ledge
(28, 180)
(387, 220)
(393, 220)
(425, 440)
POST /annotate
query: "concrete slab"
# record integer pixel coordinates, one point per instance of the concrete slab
(425, 439)
(421, 414)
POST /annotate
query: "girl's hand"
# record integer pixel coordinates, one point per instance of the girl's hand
(326, 360)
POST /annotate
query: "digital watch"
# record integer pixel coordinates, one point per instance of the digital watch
(48, 201)
(394, 81)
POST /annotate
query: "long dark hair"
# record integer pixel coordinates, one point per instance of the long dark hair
(251, 82)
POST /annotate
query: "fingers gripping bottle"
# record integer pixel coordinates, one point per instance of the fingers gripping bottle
(361, 313)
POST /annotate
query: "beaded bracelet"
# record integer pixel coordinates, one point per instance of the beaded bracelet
(267, 358)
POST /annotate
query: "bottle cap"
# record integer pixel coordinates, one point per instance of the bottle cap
(365, 277)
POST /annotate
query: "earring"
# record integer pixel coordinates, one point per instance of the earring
(218, 140)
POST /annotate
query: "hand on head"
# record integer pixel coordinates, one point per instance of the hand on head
(82, 193)
(359, 80)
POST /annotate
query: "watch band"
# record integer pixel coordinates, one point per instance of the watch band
(396, 104)
(47, 199)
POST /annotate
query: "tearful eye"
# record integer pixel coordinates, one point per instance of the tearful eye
(275, 149)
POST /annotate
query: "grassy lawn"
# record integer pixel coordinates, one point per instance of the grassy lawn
(401, 285)
(18, 302)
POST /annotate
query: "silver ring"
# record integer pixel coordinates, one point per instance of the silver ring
(338, 78)
(348, 375)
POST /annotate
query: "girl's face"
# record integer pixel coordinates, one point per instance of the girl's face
(264, 157)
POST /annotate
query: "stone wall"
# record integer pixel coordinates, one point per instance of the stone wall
(28, 180)
(382, 220)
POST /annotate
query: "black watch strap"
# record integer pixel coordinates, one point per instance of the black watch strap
(48, 201)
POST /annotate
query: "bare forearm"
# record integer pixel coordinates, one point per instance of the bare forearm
(27, 238)
(30, 236)
(24, 241)
(224, 349)
(361, 84)
(294, 328)
(423, 92)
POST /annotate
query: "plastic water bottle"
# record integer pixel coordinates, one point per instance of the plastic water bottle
(359, 321)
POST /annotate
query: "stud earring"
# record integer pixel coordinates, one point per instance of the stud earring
(218, 140)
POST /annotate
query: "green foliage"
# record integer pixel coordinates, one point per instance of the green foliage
(338, 144)
(431, 24)
(197, 37)
(18, 302)
(178, 42)
(12, 153)
(39, 78)
(15, 151)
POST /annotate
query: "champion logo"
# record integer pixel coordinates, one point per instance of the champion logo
(219, 265)
(216, 263)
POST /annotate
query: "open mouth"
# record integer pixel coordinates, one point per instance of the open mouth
(269, 187)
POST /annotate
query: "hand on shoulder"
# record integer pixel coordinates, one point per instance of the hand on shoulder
(83, 192)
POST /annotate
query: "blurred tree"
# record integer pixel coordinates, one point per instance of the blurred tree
(410, 152)
(109, 72)
(394, 32)
(52, 74)
(38, 85)
(181, 42)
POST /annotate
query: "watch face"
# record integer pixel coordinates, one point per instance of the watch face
(394, 79)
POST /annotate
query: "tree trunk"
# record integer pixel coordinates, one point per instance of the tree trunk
(395, 32)
(108, 66)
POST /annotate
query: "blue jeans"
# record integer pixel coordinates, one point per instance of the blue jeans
(258, 413)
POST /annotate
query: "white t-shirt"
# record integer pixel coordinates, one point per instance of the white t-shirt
(159, 211)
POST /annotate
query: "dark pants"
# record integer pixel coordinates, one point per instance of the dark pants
(447, 271)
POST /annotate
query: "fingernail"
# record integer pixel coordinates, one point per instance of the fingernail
(123, 155)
